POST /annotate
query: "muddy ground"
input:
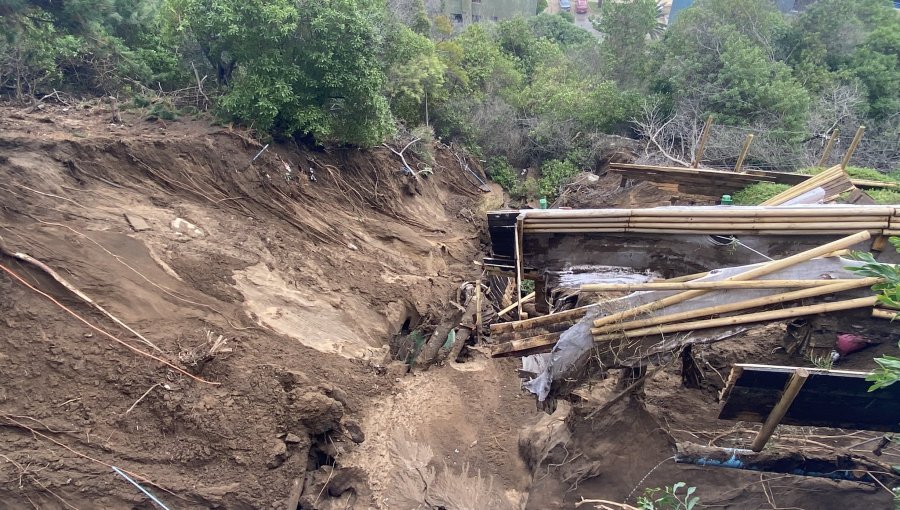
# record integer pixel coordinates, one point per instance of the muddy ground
(306, 276)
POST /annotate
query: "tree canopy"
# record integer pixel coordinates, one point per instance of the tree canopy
(529, 90)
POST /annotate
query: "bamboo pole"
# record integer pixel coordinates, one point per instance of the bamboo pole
(744, 151)
(575, 313)
(828, 147)
(736, 225)
(767, 268)
(740, 305)
(772, 315)
(704, 136)
(785, 218)
(886, 314)
(526, 299)
(711, 285)
(687, 277)
(715, 211)
(795, 383)
(808, 185)
(850, 150)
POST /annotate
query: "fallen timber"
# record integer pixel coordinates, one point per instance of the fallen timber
(723, 180)
(626, 330)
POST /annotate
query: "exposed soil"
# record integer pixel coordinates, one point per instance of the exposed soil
(307, 276)
(307, 280)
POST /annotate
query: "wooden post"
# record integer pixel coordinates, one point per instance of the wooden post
(703, 137)
(850, 150)
(798, 378)
(744, 151)
(828, 146)
(541, 305)
(520, 223)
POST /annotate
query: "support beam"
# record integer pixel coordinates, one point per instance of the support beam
(704, 136)
(828, 146)
(796, 382)
(744, 151)
(856, 138)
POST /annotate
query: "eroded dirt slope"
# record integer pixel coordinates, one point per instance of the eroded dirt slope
(305, 274)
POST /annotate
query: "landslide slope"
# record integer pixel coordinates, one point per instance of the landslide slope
(305, 262)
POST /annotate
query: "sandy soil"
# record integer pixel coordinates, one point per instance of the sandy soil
(307, 281)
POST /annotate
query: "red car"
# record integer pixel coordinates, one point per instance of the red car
(581, 7)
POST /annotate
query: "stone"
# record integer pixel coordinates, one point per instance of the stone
(293, 439)
(277, 454)
(354, 431)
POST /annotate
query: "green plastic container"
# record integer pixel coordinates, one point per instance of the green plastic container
(543, 203)
(726, 200)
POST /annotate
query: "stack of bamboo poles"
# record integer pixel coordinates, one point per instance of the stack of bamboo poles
(791, 220)
(540, 334)
(627, 324)
(833, 182)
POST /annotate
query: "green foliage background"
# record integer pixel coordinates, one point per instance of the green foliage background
(535, 91)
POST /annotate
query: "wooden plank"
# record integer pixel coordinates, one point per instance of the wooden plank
(829, 398)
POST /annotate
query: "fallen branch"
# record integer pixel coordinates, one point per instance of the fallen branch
(408, 168)
(62, 281)
(102, 332)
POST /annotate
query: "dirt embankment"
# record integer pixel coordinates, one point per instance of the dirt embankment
(305, 262)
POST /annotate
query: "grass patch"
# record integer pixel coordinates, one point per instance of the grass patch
(884, 196)
(758, 193)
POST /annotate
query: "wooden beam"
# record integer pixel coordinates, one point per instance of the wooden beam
(704, 136)
(713, 285)
(515, 305)
(828, 146)
(744, 151)
(796, 382)
(856, 138)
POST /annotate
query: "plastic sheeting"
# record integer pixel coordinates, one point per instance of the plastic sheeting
(577, 341)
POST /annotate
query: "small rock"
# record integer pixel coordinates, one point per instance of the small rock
(354, 431)
(183, 226)
(277, 454)
(292, 438)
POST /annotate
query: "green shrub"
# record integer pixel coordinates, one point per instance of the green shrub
(501, 172)
(554, 174)
(162, 110)
(758, 193)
